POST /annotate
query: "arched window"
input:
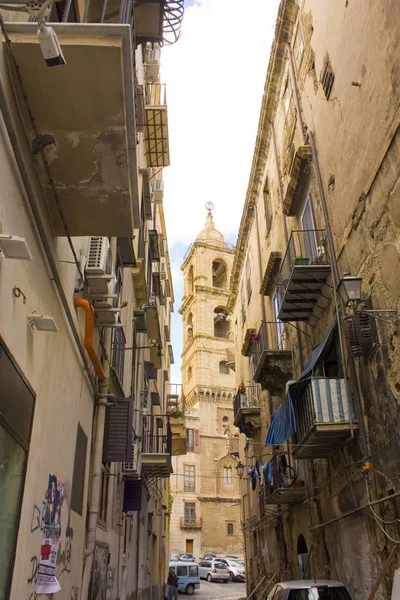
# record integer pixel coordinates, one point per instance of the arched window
(189, 327)
(221, 323)
(190, 280)
(223, 368)
(219, 274)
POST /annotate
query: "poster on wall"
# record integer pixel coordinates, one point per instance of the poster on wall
(47, 581)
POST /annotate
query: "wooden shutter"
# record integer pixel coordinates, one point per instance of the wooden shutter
(118, 431)
(78, 477)
(132, 495)
(196, 440)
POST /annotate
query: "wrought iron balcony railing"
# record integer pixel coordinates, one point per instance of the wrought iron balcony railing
(118, 352)
(156, 436)
(246, 397)
(271, 356)
(187, 523)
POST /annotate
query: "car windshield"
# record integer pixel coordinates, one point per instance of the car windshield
(236, 563)
(320, 593)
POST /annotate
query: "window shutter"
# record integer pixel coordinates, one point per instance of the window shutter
(78, 476)
(196, 440)
(132, 495)
(118, 431)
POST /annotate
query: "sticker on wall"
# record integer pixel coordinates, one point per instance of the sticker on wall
(47, 581)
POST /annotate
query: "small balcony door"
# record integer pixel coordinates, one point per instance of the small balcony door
(190, 512)
(279, 326)
(308, 226)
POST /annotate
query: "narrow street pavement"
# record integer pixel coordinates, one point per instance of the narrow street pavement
(217, 590)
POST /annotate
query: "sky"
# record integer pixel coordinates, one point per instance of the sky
(215, 77)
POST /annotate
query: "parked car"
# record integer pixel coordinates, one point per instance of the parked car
(208, 557)
(186, 556)
(236, 569)
(316, 589)
(188, 576)
(213, 570)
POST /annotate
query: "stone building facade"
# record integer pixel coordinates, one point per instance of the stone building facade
(206, 509)
(85, 303)
(317, 384)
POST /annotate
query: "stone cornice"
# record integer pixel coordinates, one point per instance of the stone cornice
(211, 290)
(218, 499)
(285, 21)
(186, 301)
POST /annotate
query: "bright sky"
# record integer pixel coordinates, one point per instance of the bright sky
(215, 76)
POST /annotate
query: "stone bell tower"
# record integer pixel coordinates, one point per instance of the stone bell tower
(208, 385)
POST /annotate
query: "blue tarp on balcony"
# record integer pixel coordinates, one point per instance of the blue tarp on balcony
(283, 424)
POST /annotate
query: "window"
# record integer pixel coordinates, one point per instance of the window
(189, 327)
(190, 440)
(229, 528)
(181, 571)
(190, 372)
(243, 298)
(248, 279)
(309, 234)
(193, 571)
(228, 475)
(221, 323)
(189, 473)
(219, 274)
(268, 208)
(190, 512)
(105, 477)
(298, 47)
(223, 368)
(190, 280)
(279, 326)
(327, 78)
(288, 106)
(78, 477)
(319, 593)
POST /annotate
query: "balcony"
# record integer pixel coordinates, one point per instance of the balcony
(284, 487)
(92, 193)
(191, 523)
(298, 173)
(247, 410)
(324, 418)
(304, 279)
(156, 447)
(118, 354)
(156, 136)
(272, 357)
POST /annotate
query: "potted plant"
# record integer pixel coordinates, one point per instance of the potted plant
(302, 260)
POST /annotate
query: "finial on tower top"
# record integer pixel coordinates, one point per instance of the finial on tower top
(209, 207)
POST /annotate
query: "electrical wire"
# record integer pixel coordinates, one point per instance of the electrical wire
(385, 532)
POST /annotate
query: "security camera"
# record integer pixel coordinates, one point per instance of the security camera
(50, 46)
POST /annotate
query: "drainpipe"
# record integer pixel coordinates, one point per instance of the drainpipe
(95, 489)
(88, 343)
(34, 209)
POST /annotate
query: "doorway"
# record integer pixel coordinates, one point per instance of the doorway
(189, 546)
(303, 558)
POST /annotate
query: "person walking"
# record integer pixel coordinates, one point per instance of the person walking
(172, 585)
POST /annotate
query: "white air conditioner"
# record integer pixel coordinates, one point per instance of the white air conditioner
(98, 256)
(98, 265)
(132, 468)
(152, 64)
(106, 299)
(158, 191)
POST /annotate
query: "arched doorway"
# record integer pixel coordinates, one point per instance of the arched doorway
(303, 556)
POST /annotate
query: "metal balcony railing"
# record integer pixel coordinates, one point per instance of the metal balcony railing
(305, 247)
(246, 397)
(187, 523)
(272, 335)
(118, 352)
(156, 436)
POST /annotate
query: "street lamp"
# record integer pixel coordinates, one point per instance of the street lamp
(240, 470)
(349, 289)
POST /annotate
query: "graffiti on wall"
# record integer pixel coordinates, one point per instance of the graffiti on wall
(99, 579)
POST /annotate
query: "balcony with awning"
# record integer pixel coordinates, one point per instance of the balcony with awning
(304, 280)
(272, 356)
(317, 411)
(85, 120)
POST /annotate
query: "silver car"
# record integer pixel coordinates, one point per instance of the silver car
(314, 589)
(213, 570)
(236, 569)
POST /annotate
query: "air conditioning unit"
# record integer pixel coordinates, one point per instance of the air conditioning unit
(98, 265)
(158, 191)
(132, 467)
(152, 64)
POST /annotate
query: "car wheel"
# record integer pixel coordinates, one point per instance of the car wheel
(190, 589)
(209, 578)
(231, 576)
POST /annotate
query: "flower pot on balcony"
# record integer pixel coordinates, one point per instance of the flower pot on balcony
(302, 260)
